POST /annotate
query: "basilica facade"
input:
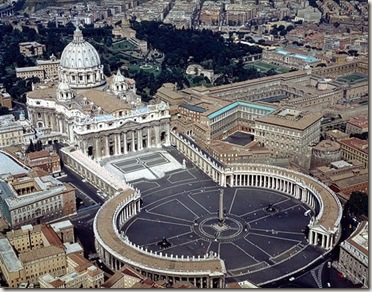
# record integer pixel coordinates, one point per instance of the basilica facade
(102, 116)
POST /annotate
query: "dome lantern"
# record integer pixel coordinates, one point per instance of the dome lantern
(78, 36)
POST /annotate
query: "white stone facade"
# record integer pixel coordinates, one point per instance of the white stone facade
(102, 121)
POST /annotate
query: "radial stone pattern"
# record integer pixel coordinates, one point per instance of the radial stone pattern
(261, 237)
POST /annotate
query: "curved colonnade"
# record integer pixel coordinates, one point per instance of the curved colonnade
(115, 249)
(324, 227)
(209, 271)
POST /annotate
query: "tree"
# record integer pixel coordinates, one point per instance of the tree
(3, 110)
(289, 28)
(358, 203)
(38, 146)
(108, 41)
(271, 72)
(31, 147)
(353, 52)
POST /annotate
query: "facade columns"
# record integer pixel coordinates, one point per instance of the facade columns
(139, 140)
(167, 134)
(107, 153)
(157, 136)
(115, 145)
(119, 143)
(133, 142)
(125, 143)
(84, 146)
(148, 138)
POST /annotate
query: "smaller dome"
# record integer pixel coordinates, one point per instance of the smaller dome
(119, 77)
(63, 86)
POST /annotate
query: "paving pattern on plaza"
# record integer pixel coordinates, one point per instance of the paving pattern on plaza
(255, 244)
(149, 165)
(141, 162)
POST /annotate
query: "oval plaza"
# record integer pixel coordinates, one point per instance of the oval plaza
(116, 249)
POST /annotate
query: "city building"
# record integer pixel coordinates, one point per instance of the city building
(343, 177)
(324, 153)
(311, 88)
(40, 253)
(124, 30)
(309, 91)
(182, 14)
(31, 49)
(5, 98)
(198, 70)
(357, 125)
(335, 135)
(45, 69)
(29, 72)
(64, 230)
(50, 67)
(127, 277)
(285, 57)
(11, 131)
(346, 184)
(80, 273)
(31, 199)
(210, 13)
(355, 149)
(353, 260)
(308, 14)
(102, 120)
(239, 14)
(48, 161)
(151, 10)
(31, 252)
(11, 166)
(288, 132)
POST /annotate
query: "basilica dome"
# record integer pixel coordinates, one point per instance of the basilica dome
(80, 64)
(79, 54)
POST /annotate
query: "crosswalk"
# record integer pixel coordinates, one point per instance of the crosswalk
(317, 275)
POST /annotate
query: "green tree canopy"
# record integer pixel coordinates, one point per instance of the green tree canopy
(358, 203)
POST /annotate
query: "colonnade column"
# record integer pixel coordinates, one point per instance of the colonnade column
(98, 147)
(310, 236)
(326, 241)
